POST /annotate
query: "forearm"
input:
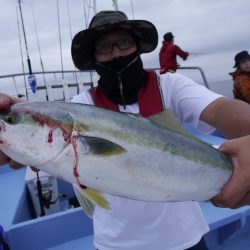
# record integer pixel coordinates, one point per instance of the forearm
(231, 117)
(183, 54)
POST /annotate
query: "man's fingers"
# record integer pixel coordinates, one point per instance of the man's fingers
(227, 147)
(232, 192)
(35, 169)
(231, 147)
(7, 101)
(14, 164)
(3, 158)
(244, 201)
(218, 202)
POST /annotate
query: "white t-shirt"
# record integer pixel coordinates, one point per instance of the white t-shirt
(138, 225)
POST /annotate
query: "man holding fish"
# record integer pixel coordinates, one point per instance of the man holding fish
(112, 46)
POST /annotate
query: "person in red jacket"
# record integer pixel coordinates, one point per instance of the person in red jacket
(168, 53)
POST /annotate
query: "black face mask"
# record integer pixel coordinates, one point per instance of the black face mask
(121, 78)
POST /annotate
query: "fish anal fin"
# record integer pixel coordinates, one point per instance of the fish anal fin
(87, 205)
(88, 198)
(97, 198)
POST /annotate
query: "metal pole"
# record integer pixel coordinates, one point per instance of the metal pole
(39, 50)
(132, 8)
(60, 40)
(94, 7)
(115, 4)
(70, 31)
(21, 52)
(26, 45)
(85, 15)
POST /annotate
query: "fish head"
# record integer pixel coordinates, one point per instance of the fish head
(33, 139)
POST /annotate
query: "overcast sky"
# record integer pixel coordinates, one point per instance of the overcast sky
(213, 31)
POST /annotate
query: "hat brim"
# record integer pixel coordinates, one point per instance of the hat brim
(82, 48)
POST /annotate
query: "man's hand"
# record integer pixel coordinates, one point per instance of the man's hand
(236, 192)
(5, 103)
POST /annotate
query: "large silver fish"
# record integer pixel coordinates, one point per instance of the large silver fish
(102, 151)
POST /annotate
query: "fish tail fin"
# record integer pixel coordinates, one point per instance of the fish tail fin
(88, 198)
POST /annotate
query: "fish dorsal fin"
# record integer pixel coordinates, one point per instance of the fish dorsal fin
(88, 198)
(100, 146)
(168, 120)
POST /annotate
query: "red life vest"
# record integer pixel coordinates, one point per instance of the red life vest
(149, 97)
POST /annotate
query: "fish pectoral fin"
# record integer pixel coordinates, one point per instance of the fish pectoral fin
(100, 146)
(88, 198)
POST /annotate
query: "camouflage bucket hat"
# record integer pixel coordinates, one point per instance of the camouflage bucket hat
(82, 49)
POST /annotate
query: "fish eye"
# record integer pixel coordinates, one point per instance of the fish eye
(11, 118)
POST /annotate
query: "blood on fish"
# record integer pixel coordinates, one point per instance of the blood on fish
(65, 135)
(3, 126)
(67, 130)
(43, 120)
(75, 169)
(50, 137)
